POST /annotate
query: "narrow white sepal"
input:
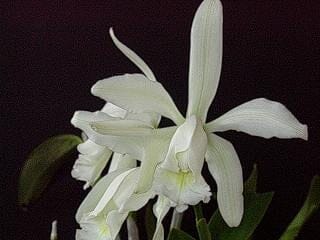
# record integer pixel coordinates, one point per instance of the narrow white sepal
(205, 57)
(132, 56)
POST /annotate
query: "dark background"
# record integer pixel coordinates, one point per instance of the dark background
(52, 52)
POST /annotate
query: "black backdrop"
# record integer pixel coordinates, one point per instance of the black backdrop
(52, 52)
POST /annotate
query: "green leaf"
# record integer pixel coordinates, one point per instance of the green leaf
(176, 234)
(251, 183)
(150, 221)
(255, 206)
(41, 165)
(310, 206)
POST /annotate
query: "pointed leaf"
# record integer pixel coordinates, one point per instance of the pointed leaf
(41, 165)
(310, 206)
(176, 234)
(255, 206)
(251, 183)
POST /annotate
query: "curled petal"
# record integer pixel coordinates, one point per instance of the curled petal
(205, 57)
(187, 148)
(91, 161)
(261, 117)
(225, 167)
(114, 111)
(151, 119)
(133, 57)
(137, 94)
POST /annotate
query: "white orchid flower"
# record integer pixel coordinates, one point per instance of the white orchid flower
(173, 166)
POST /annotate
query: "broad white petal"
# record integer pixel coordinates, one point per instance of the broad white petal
(121, 144)
(225, 167)
(96, 193)
(133, 57)
(187, 148)
(261, 117)
(205, 57)
(160, 210)
(91, 161)
(137, 94)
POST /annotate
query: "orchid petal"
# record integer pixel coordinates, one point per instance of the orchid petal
(132, 56)
(122, 128)
(205, 57)
(160, 210)
(101, 227)
(225, 167)
(91, 161)
(114, 111)
(152, 119)
(261, 117)
(137, 94)
(114, 188)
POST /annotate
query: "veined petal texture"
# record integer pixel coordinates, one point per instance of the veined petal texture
(225, 167)
(137, 94)
(205, 57)
(260, 117)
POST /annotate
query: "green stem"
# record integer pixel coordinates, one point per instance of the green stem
(201, 223)
(176, 219)
(198, 211)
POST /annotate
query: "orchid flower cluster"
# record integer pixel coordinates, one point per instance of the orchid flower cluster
(166, 163)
